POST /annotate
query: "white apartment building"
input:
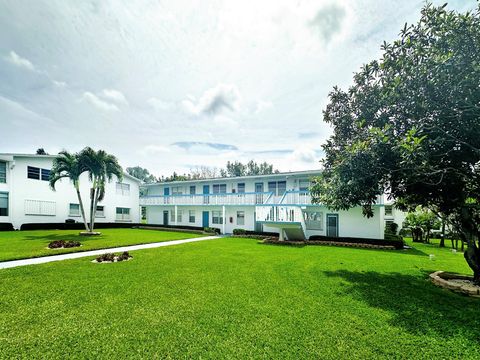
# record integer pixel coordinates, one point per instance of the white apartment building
(25, 195)
(272, 203)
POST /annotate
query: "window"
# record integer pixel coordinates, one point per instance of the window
(123, 214)
(74, 210)
(33, 172)
(241, 187)
(240, 217)
(278, 188)
(313, 220)
(193, 190)
(100, 211)
(191, 216)
(123, 189)
(3, 172)
(40, 207)
(45, 174)
(219, 188)
(217, 217)
(177, 190)
(179, 215)
(172, 216)
(388, 210)
(3, 204)
(303, 185)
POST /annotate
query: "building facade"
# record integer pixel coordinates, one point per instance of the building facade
(25, 195)
(270, 203)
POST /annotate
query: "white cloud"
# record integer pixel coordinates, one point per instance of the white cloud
(263, 105)
(19, 61)
(154, 150)
(99, 103)
(214, 101)
(115, 96)
(59, 84)
(160, 105)
(304, 154)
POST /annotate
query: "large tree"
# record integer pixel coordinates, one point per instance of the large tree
(68, 165)
(141, 174)
(409, 126)
(102, 168)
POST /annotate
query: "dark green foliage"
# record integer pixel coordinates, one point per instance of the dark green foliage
(108, 257)
(6, 227)
(392, 240)
(211, 230)
(239, 232)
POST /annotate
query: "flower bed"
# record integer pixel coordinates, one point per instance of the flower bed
(62, 244)
(111, 257)
(275, 241)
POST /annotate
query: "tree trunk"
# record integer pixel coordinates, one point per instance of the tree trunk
(442, 240)
(82, 209)
(97, 195)
(469, 235)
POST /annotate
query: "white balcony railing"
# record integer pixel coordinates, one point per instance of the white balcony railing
(252, 198)
(277, 213)
(296, 198)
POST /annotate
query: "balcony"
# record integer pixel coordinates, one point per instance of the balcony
(296, 197)
(252, 198)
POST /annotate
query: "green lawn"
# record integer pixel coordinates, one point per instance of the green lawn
(235, 298)
(27, 244)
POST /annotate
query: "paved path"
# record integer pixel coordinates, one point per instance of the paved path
(46, 259)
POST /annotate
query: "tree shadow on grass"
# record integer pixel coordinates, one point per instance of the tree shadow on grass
(54, 237)
(417, 305)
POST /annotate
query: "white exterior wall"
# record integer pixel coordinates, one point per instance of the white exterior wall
(22, 189)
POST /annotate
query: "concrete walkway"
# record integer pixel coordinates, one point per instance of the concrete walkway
(50, 258)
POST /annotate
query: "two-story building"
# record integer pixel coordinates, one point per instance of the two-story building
(271, 203)
(25, 195)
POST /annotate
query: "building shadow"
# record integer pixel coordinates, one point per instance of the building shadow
(416, 304)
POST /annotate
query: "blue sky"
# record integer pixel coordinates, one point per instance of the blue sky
(173, 84)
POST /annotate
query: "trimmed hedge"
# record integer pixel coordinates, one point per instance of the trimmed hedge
(397, 243)
(6, 227)
(74, 226)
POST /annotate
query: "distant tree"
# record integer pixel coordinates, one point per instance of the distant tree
(141, 174)
(235, 169)
(41, 151)
(204, 172)
(409, 127)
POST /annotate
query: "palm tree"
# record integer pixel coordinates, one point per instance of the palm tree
(101, 167)
(67, 165)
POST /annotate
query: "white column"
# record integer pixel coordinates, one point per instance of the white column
(224, 219)
(175, 217)
(281, 236)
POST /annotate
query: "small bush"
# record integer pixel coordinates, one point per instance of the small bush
(106, 257)
(211, 230)
(6, 227)
(239, 232)
(111, 257)
(58, 244)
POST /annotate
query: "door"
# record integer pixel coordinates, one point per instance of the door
(259, 191)
(166, 193)
(165, 217)
(332, 225)
(258, 226)
(205, 219)
(206, 191)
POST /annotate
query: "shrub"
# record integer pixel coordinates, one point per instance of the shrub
(239, 232)
(57, 244)
(123, 256)
(106, 257)
(211, 230)
(397, 242)
(6, 227)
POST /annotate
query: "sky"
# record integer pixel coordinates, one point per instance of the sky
(171, 85)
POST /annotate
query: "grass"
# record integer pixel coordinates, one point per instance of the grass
(27, 244)
(235, 298)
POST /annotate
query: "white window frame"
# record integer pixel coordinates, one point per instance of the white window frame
(242, 217)
(122, 189)
(217, 217)
(191, 216)
(40, 207)
(4, 195)
(3, 172)
(179, 215)
(124, 214)
(389, 212)
(70, 213)
(100, 213)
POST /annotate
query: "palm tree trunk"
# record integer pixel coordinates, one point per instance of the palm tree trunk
(97, 195)
(92, 202)
(82, 209)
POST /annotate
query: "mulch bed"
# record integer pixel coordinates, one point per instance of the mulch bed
(275, 241)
